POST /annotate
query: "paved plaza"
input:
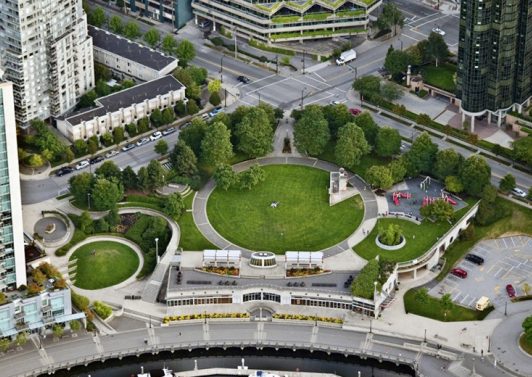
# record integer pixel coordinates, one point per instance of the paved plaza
(508, 260)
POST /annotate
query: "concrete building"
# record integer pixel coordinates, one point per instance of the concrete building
(280, 21)
(129, 59)
(175, 12)
(121, 108)
(47, 54)
(494, 58)
(12, 261)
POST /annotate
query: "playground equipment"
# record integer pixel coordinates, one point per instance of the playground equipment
(400, 195)
(425, 184)
(429, 200)
(448, 199)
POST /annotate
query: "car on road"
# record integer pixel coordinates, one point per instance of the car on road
(64, 171)
(96, 159)
(243, 79)
(404, 147)
(128, 147)
(112, 153)
(143, 141)
(216, 110)
(459, 272)
(186, 125)
(156, 135)
(439, 31)
(335, 102)
(510, 290)
(169, 131)
(82, 164)
(518, 192)
(473, 258)
(354, 111)
(205, 116)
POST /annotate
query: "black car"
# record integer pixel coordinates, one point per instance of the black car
(64, 171)
(474, 259)
(96, 159)
(243, 79)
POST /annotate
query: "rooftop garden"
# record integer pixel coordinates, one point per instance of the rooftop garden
(317, 33)
(442, 77)
(374, 271)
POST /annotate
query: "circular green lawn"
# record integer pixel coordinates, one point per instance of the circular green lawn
(303, 220)
(103, 264)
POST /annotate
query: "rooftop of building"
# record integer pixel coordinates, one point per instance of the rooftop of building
(125, 98)
(129, 50)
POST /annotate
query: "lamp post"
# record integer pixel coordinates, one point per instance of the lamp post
(222, 69)
(425, 337)
(89, 200)
(276, 64)
(303, 60)
(370, 325)
(400, 40)
(157, 248)
(506, 308)
(302, 93)
(356, 73)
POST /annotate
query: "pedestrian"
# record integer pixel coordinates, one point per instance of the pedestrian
(179, 333)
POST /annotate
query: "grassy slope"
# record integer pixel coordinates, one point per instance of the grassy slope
(191, 237)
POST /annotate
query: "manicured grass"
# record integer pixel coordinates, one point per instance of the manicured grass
(441, 77)
(112, 263)
(433, 308)
(191, 237)
(527, 347)
(419, 238)
(302, 221)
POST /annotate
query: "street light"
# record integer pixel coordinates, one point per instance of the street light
(302, 93)
(425, 338)
(370, 322)
(400, 40)
(303, 60)
(222, 69)
(89, 200)
(157, 248)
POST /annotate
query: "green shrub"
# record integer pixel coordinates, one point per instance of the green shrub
(363, 285)
(215, 99)
(103, 310)
(80, 302)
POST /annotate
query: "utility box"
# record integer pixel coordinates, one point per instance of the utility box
(482, 303)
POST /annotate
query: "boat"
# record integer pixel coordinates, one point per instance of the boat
(260, 373)
(166, 373)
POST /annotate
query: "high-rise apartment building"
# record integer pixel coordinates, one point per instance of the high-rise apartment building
(12, 261)
(46, 52)
(494, 57)
(175, 12)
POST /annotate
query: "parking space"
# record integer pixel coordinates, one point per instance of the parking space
(507, 260)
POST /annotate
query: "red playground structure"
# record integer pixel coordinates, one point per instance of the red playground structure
(429, 200)
(397, 195)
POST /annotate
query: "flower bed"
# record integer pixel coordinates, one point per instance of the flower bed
(295, 272)
(187, 317)
(303, 317)
(232, 271)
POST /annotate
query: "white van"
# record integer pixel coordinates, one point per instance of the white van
(346, 57)
(482, 303)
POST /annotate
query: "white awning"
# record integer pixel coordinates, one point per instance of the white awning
(304, 257)
(221, 255)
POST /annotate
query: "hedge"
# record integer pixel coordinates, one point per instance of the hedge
(103, 310)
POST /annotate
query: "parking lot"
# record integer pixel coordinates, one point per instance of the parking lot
(507, 260)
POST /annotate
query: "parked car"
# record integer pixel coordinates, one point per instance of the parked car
(474, 259)
(128, 147)
(169, 131)
(335, 102)
(64, 171)
(510, 290)
(243, 79)
(156, 135)
(82, 164)
(439, 31)
(205, 116)
(96, 159)
(216, 110)
(143, 141)
(354, 111)
(459, 272)
(112, 153)
(187, 124)
(518, 192)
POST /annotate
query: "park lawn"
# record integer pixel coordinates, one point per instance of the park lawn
(191, 238)
(419, 238)
(112, 263)
(433, 308)
(441, 77)
(302, 221)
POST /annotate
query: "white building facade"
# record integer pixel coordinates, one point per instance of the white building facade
(46, 52)
(12, 259)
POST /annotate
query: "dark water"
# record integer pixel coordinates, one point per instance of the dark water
(266, 359)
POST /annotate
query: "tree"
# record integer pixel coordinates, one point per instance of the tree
(490, 209)
(87, 100)
(174, 206)
(522, 150)
(379, 177)
(368, 86)
(448, 162)
(453, 184)
(49, 146)
(396, 62)
(167, 116)
(118, 135)
(214, 99)
(169, 44)
(420, 157)
(185, 52)
(180, 108)
(216, 147)
(107, 139)
(93, 144)
(390, 18)
(254, 133)
(21, 339)
(368, 125)
(388, 142)
(251, 177)
(446, 303)
(58, 330)
(390, 235)
(397, 170)
(97, 17)
(439, 210)
(106, 193)
(224, 176)
(422, 295)
(156, 118)
(214, 86)
(155, 173)
(86, 225)
(101, 226)
(80, 186)
(79, 147)
(507, 183)
(161, 147)
(129, 178)
(101, 72)
(132, 30)
(183, 159)
(152, 37)
(351, 145)
(436, 48)
(143, 125)
(120, 4)
(4, 344)
(198, 74)
(311, 132)
(113, 218)
(115, 24)
(192, 107)
(194, 134)
(390, 91)
(38, 276)
(109, 170)
(475, 175)
(75, 325)
(2, 298)
(102, 88)
(336, 116)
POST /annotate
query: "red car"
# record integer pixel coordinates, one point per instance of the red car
(354, 112)
(510, 290)
(459, 272)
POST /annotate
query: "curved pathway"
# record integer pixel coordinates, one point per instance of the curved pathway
(201, 219)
